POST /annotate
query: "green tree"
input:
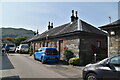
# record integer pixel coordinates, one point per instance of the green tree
(10, 39)
(31, 50)
(18, 40)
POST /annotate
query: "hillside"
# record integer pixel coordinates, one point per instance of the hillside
(13, 32)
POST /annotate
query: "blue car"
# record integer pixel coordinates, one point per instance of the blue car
(47, 54)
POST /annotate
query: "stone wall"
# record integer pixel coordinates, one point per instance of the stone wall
(72, 45)
(90, 46)
(114, 43)
(81, 46)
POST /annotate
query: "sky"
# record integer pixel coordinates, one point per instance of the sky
(36, 15)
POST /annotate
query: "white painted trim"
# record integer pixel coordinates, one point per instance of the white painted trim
(108, 45)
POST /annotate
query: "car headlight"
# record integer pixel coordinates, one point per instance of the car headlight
(85, 69)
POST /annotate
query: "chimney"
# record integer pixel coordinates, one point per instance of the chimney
(72, 17)
(76, 15)
(49, 26)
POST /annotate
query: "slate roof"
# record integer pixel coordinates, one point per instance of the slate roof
(77, 25)
(112, 25)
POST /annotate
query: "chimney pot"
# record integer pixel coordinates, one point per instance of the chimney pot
(49, 26)
(76, 15)
(72, 12)
(73, 17)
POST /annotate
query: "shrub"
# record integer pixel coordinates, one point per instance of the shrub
(31, 50)
(74, 61)
(68, 54)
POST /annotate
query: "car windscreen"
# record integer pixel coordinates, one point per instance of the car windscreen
(11, 45)
(24, 46)
(51, 51)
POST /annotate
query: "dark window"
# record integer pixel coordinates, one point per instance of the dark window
(51, 51)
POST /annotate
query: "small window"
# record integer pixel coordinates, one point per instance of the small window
(98, 44)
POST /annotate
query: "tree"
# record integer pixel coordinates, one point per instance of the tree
(18, 40)
(10, 39)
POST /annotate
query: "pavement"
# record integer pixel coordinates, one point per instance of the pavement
(23, 66)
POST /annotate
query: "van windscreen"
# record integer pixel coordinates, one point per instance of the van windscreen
(24, 46)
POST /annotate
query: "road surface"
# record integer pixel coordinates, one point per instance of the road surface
(22, 66)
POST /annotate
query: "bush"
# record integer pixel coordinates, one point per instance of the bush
(74, 61)
(68, 54)
(31, 50)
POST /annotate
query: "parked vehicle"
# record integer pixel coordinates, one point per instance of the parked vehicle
(3, 48)
(23, 48)
(47, 54)
(10, 47)
(16, 50)
(107, 69)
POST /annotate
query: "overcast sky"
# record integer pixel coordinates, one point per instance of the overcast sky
(36, 15)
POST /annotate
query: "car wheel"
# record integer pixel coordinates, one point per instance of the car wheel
(42, 60)
(19, 52)
(91, 76)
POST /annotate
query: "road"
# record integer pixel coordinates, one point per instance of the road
(23, 66)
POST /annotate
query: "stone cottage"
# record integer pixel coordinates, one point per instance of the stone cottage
(113, 30)
(83, 39)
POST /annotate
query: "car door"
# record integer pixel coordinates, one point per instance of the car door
(109, 70)
(38, 53)
(115, 66)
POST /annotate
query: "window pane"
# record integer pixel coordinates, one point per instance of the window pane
(115, 60)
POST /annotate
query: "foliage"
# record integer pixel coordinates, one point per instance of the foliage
(74, 61)
(10, 39)
(68, 54)
(13, 32)
(18, 40)
(31, 49)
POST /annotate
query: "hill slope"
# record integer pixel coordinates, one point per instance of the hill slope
(13, 32)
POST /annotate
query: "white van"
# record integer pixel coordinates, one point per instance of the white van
(23, 48)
